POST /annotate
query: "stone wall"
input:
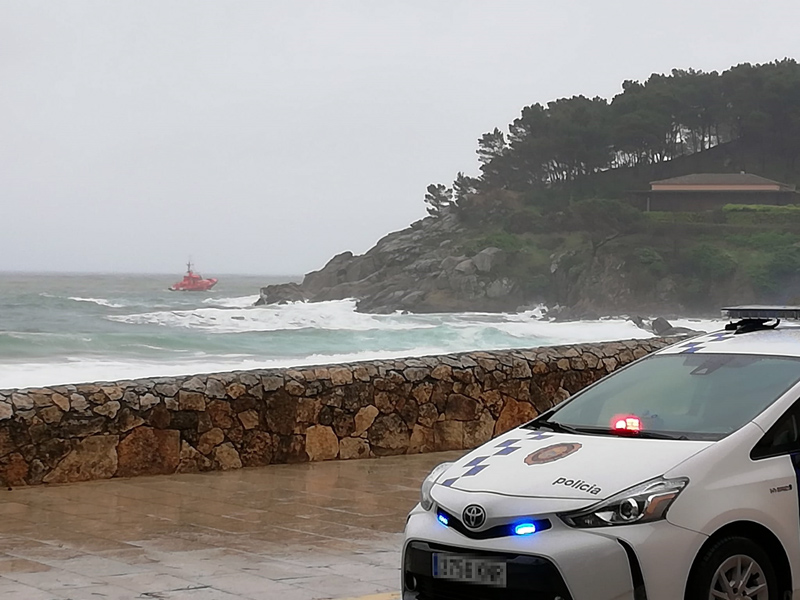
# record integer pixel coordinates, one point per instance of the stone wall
(252, 418)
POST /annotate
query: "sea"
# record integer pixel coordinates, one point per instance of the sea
(76, 328)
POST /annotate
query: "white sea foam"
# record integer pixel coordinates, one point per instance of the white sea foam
(334, 315)
(98, 301)
(167, 335)
(92, 370)
(239, 302)
(472, 330)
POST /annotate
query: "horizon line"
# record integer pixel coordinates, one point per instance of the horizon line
(170, 273)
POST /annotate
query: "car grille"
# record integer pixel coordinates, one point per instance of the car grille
(529, 577)
(495, 532)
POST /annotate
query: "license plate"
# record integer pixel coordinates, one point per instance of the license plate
(469, 570)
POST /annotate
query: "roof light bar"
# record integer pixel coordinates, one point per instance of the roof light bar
(762, 312)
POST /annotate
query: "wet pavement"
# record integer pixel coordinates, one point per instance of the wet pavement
(283, 532)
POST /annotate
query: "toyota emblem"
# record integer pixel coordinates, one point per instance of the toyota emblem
(474, 516)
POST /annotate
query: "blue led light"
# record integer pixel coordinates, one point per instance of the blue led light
(525, 529)
(443, 519)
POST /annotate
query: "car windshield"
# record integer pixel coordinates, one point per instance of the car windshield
(694, 396)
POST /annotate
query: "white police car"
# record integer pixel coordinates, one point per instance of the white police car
(675, 478)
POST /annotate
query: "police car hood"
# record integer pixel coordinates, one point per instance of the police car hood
(543, 464)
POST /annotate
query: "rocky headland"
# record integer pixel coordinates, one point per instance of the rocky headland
(557, 214)
(419, 269)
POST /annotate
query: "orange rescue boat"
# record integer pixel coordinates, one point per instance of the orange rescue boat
(193, 282)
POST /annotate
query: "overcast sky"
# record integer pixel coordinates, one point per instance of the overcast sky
(264, 137)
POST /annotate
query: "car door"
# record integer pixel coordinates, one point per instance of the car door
(778, 454)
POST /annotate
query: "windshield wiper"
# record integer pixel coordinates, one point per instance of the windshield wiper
(656, 435)
(561, 428)
(554, 426)
(649, 435)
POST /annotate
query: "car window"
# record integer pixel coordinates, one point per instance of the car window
(782, 438)
(696, 396)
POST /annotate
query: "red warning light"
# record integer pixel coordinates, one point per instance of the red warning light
(626, 423)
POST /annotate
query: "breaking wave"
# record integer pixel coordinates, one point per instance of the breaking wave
(333, 315)
(98, 301)
(57, 330)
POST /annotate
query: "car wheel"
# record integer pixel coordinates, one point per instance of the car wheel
(734, 568)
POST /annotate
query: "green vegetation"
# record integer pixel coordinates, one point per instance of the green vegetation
(553, 192)
(663, 119)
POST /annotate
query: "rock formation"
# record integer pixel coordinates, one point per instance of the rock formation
(414, 270)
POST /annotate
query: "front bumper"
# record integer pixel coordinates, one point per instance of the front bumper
(560, 563)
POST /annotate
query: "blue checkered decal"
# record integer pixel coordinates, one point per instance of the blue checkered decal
(479, 464)
(692, 347)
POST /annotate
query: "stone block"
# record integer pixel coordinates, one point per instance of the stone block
(295, 388)
(514, 414)
(341, 375)
(7, 443)
(353, 448)
(235, 390)
(423, 439)
(610, 364)
(112, 392)
(388, 435)
(93, 458)
(148, 451)
(479, 431)
(160, 417)
(22, 401)
(422, 392)
(364, 419)
(109, 409)
(415, 374)
(60, 401)
(51, 415)
(79, 403)
(210, 440)
(191, 461)
(272, 383)
(308, 410)
(226, 457)
(343, 423)
(191, 400)
(281, 414)
(128, 420)
(6, 411)
(256, 449)
(444, 372)
(291, 449)
(321, 443)
(448, 435)
(461, 408)
(13, 470)
(194, 384)
(168, 390)
(221, 413)
(215, 388)
(249, 419)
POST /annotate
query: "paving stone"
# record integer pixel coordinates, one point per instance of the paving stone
(214, 536)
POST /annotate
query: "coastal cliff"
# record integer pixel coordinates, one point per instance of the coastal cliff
(557, 216)
(423, 268)
(506, 255)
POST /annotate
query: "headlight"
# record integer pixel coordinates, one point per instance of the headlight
(643, 503)
(425, 493)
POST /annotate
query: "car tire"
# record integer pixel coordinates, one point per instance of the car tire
(720, 564)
